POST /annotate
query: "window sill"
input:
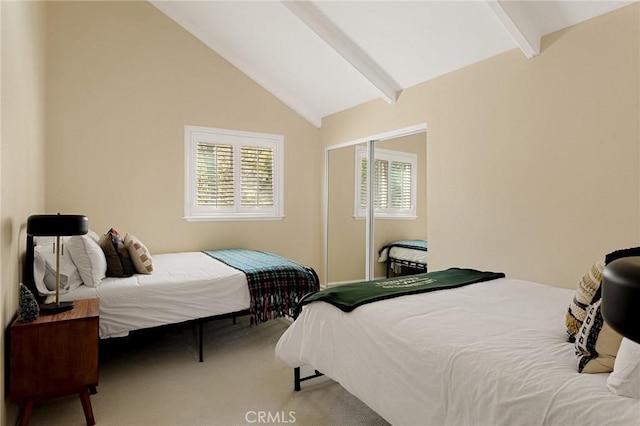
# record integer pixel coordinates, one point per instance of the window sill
(230, 218)
(379, 217)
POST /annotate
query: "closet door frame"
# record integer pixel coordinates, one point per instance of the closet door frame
(370, 141)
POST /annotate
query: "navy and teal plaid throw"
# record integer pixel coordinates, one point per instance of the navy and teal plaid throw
(276, 284)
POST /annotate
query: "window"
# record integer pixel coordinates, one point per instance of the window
(394, 184)
(232, 175)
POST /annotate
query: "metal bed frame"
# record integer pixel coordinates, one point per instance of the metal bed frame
(297, 379)
(411, 266)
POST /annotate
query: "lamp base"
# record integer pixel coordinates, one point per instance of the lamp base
(53, 308)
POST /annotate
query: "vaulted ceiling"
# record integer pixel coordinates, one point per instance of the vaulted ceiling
(321, 57)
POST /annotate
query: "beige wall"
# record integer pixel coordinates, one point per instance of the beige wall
(22, 166)
(532, 164)
(123, 81)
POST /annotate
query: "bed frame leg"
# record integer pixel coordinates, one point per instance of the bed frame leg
(296, 379)
(200, 344)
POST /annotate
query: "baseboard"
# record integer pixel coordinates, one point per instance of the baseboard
(337, 283)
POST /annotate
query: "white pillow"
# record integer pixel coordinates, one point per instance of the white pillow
(88, 258)
(625, 378)
(43, 241)
(44, 271)
(48, 241)
(93, 235)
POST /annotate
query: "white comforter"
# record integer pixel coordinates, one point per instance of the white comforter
(492, 353)
(182, 287)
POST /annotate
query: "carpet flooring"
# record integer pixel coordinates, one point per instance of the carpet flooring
(153, 377)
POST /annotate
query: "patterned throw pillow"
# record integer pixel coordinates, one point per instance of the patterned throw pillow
(596, 343)
(140, 255)
(586, 294)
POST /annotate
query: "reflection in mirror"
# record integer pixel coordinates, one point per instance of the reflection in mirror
(388, 229)
(346, 235)
(353, 237)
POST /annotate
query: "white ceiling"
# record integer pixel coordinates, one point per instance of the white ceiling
(321, 57)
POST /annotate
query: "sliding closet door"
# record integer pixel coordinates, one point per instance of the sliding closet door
(400, 193)
(346, 233)
(361, 193)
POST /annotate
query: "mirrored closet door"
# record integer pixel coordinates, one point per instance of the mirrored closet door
(400, 200)
(362, 215)
(346, 236)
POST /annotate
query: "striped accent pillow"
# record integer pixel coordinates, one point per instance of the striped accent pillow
(140, 255)
(596, 344)
(586, 294)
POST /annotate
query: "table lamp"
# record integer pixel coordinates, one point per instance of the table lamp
(56, 225)
(621, 296)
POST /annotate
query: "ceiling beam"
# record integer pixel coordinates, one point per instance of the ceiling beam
(313, 18)
(517, 25)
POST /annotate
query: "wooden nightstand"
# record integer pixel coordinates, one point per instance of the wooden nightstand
(53, 356)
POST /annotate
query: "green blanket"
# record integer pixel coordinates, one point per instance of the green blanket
(349, 296)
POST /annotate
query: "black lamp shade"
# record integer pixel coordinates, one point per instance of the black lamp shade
(51, 225)
(621, 296)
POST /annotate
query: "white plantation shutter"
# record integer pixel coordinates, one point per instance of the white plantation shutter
(362, 195)
(400, 182)
(214, 165)
(394, 183)
(257, 177)
(380, 184)
(232, 175)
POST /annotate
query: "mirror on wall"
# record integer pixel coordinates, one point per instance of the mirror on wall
(346, 234)
(353, 240)
(405, 194)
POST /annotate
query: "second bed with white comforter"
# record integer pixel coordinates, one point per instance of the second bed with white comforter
(491, 353)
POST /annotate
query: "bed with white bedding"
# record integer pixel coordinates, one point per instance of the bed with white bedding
(183, 287)
(172, 288)
(490, 353)
(404, 257)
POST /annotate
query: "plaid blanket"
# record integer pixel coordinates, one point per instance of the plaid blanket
(276, 284)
